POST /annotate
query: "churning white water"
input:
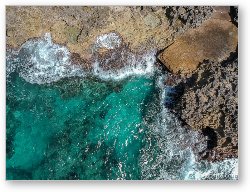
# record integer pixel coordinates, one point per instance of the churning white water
(42, 61)
(174, 158)
(134, 66)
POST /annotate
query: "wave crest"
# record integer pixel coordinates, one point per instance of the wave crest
(131, 65)
(42, 61)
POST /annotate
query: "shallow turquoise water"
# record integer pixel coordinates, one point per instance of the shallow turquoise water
(66, 123)
(76, 128)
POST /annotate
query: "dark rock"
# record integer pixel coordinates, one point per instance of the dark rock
(212, 140)
(234, 15)
(210, 104)
(173, 94)
(183, 17)
(77, 60)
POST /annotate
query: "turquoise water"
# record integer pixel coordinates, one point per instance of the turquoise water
(76, 128)
(66, 123)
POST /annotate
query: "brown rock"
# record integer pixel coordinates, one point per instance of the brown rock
(77, 27)
(152, 20)
(214, 40)
(221, 12)
(210, 103)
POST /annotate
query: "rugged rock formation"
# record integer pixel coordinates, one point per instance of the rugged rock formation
(210, 104)
(207, 98)
(182, 18)
(215, 39)
(142, 28)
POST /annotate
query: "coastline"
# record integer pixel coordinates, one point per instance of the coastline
(201, 83)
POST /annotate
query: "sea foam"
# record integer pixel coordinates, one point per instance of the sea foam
(134, 65)
(108, 41)
(42, 61)
(173, 158)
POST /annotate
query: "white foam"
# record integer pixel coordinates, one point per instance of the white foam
(173, 158)
(11, 62)
(41, 61)
(134, 65)
(226, 169)
(108, 41)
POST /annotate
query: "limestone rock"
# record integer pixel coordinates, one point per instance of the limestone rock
(210, 104)
(78, 27)
(152, 20)
(214, 40)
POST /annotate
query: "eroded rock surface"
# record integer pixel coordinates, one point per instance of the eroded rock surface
(210, 104)
(142, 28)
(182, 18)
(213, 40)
(204, 62)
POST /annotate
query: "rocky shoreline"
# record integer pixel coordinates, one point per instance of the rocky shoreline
(206, 72)
(197, 45)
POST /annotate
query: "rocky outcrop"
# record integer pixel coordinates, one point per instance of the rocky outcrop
(182, 18)
(210, 104)
(213, 40)
(204, 62)
(141, 28)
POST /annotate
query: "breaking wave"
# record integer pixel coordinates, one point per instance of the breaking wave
(174, 150)
(133, 66)
(41, 61)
